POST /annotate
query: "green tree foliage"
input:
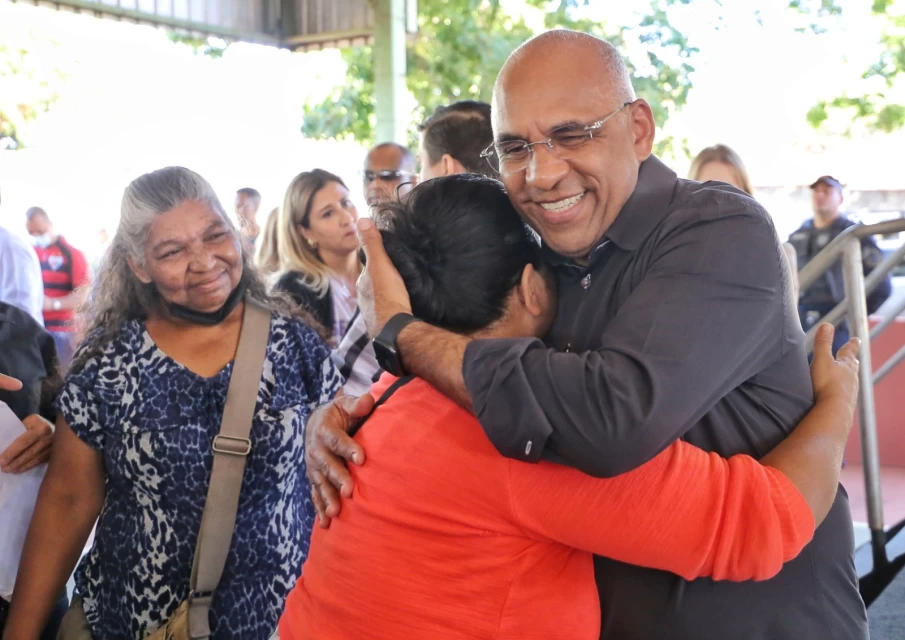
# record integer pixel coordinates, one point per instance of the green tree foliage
(881, 107)
(202, 46)
(28, 89)
(461, 45)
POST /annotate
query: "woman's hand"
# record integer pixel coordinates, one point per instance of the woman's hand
(811, 456)
(835, 378)
(30, 449)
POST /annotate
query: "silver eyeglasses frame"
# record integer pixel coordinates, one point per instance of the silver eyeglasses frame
(492, 152)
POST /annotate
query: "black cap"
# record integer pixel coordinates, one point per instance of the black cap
(829, 181)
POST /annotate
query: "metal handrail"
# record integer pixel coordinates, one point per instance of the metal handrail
(833, 251)
(847, 245)
(870, 283)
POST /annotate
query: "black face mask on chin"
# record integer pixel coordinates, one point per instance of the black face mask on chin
(211, 318)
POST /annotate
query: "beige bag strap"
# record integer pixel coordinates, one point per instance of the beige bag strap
(231, 446)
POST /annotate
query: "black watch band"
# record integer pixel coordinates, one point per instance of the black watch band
(385, 347)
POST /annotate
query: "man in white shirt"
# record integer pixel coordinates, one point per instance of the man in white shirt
(20, 276)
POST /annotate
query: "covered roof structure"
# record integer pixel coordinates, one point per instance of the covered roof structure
(291, 24)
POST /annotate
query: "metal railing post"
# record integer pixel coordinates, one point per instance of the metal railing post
(867, 417)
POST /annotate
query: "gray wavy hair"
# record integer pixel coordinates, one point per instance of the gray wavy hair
(118, 296)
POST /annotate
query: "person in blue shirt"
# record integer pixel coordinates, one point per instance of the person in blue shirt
(815, 234)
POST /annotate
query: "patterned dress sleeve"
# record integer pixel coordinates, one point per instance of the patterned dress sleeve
(79, 406)
(320, 376)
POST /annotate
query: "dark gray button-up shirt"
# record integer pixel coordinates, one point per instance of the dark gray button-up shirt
(683, 325)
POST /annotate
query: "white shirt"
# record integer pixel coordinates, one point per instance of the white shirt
(344, 306)
(355, 358)
(20, 276)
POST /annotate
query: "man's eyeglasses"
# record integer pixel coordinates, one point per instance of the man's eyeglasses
(385, 176)
(512, 156)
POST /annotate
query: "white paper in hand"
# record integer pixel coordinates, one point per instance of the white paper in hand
(18, 493)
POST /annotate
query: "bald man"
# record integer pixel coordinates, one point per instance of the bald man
(388, 166)
(675, 320)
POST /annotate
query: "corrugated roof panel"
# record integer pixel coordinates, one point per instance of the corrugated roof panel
(305, 24)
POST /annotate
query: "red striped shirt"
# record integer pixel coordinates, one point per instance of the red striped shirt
(63, 270)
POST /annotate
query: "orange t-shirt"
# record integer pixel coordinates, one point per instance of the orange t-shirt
(444, 538)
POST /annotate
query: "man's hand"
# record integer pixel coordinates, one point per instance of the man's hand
(381, 290)
(9, 384)
(327, 449)
(31, 448)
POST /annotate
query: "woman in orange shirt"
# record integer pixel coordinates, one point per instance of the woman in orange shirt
(446, 538)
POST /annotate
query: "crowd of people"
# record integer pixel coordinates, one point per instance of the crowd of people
(547, 388)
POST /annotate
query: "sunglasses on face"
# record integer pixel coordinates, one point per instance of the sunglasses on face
(385, 176)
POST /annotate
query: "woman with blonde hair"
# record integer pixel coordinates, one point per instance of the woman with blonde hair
(722, 164)
(318, 249)
(267, 255)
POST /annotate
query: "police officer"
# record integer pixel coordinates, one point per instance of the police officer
(828, 290)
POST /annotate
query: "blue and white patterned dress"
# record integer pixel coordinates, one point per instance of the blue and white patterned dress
(153, 421)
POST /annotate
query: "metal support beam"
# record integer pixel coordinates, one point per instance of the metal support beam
(853, 272)
(389, 70)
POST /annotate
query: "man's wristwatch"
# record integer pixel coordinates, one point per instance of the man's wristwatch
(385, 347)
(56, 305)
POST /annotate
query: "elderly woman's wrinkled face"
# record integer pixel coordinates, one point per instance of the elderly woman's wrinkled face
(193, 257)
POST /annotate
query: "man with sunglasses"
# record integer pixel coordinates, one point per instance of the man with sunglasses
(389, 169)
(675, 315)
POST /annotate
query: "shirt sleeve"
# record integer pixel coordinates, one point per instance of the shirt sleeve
(707, 315)
(318, 373)
(22, 284)
(79, 407)
(356, 359)
(686, 511)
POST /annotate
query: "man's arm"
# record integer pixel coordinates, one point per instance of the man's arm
(21, 284)
(707, 316)
(694, 513)
(68, 302)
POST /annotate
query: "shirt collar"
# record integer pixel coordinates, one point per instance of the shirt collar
(646, 207)
(644, 210)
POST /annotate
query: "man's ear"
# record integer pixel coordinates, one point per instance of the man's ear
(139, 272)
(451, 166)
(643, 128)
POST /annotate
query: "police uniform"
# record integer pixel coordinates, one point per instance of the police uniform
(828, 290)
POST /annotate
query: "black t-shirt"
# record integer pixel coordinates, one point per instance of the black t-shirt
(27, 352)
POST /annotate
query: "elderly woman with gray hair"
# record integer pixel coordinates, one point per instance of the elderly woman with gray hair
(139, 411)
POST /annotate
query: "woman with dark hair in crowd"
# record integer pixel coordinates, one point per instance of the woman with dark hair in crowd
(138, 415)
(318, 249)
(446, 538)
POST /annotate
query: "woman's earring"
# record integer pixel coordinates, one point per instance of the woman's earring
(312, 243)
